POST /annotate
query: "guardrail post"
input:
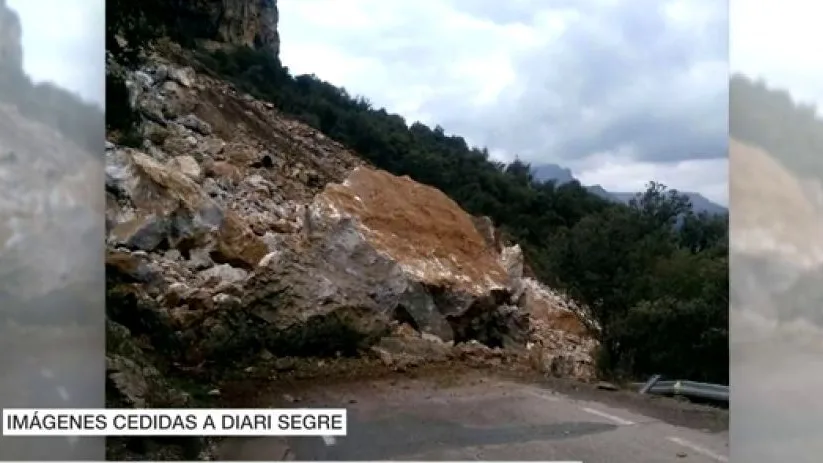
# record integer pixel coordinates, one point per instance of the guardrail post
(650, 384)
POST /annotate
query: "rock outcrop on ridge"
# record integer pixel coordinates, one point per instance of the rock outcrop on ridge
(223, 23)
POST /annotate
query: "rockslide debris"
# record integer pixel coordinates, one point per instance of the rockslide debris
(234, 231)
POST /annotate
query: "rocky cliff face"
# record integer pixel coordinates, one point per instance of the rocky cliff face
(251, 23)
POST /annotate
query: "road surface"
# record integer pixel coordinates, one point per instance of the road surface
(481, 419)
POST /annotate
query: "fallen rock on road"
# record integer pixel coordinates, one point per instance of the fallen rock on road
(238, 240)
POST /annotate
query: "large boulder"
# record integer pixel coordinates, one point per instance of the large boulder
(380, 248)
(154, 206)
(313, 307)
(407, 248)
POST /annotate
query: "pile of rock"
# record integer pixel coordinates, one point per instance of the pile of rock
(234, 230)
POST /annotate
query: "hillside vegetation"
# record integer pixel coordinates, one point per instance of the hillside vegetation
(660, 292)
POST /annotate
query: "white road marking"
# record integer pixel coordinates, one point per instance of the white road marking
(64, 394)
(701, 450)
(46, 373)
(550, 398)
(329, 440)
(608, 416)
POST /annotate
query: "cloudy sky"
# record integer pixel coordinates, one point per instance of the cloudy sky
(64, 42)
(775, 40)
(619, 91)
(622, 92)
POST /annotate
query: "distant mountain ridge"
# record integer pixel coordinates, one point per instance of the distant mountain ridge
(554, 172)
(561, 175)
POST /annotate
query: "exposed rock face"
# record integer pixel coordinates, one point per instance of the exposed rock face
(417, 226)
(251, 23)
(431, 259)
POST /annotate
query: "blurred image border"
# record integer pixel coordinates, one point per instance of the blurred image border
(776, 257)
(52, 278)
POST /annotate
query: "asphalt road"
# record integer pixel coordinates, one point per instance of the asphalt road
(49, 371)
(484, 419)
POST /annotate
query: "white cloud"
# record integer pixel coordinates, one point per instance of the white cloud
(778, 41)
(64, 42)
(618, 173)
(479, 53)
(549, 80)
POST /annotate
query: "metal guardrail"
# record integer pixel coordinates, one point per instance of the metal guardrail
(694, 389)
